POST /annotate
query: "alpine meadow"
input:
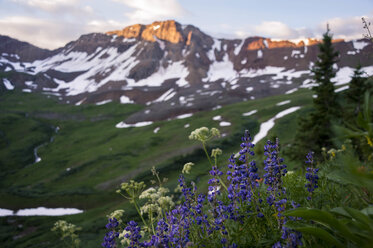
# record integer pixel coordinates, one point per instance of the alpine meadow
(161, 135)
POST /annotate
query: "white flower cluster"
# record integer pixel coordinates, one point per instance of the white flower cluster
(67, 230)
(157, 200)
(187, 168)
(117, 214)
(216, 152)
(203, 134)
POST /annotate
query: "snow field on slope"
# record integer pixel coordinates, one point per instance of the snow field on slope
(267, 125)
(40, 211)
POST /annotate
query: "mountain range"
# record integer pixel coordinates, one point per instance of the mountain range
(173, 69)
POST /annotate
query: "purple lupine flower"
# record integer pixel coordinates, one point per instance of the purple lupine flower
(134, 234)
(274, 167)
(277, 245)
(109, 239)
(311, 175)
(293, 238)
(242, 175)
(161, 239)
(187, 192)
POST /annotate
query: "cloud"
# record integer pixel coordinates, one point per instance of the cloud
(343, 28)
(46, 33)
(279, 30)
(58, 8)
(146, 11)
(42, 33)
(53, 23)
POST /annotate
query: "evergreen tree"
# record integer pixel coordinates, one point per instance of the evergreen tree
(315, 132)
(355, 93)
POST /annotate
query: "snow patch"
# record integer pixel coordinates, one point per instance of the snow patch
(295, 53)
(184, 116)
(283, 103)
(266, 126)
(224, 124)
(166, 96)
(342, 88)
(187, 125)
(6, 212)
(211, 53)
(103, 102)
(250, 112)
(40, 211)
(217, 118)
(156, 130)
(221, 69)
(260, 54)
(237, 49)
(8, 85)
(291, 91)
(125, 99)
(249, 89)
(359, 45)
(265, 43)
(174, 70)
(138, 124)
(31, 84)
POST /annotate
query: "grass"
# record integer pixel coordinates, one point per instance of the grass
(89, 157)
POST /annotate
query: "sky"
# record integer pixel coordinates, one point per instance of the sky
(53, 23)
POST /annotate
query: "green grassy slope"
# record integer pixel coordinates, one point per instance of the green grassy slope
(88, 157)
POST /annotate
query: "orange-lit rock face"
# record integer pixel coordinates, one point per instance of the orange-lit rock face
(255, 45)
(262, 43)
(166, 30)
(189, 38)
(282, 43)
(268, 43)
(129, 32)
(162, 30)
(337, 40)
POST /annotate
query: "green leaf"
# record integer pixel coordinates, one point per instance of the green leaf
(320, 233)
(341, 211)
(367, 211)
(324, 218)
(360, 217)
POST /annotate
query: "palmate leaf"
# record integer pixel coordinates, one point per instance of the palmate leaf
(324, 218)
(317, 232)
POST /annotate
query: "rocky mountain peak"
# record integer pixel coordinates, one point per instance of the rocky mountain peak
(162, 30)
(170, 68)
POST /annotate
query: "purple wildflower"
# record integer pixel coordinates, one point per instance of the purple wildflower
(109, 239)
(311, 175)
(274, 167)
(134, 234)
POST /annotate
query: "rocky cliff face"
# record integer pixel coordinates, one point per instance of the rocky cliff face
(168, 31)
(173, 69)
